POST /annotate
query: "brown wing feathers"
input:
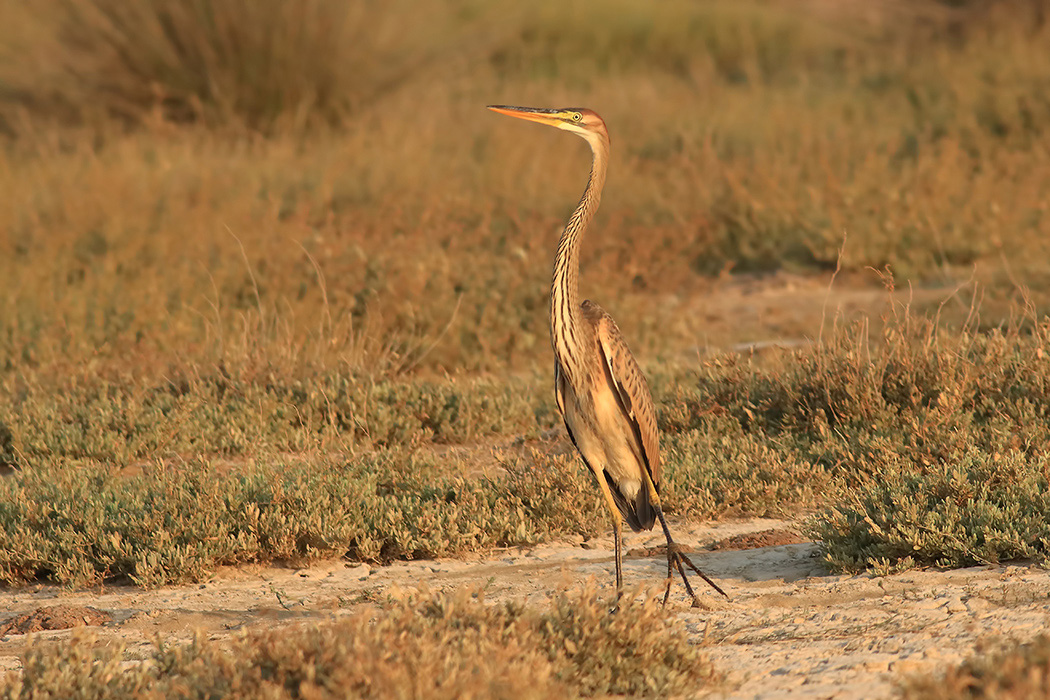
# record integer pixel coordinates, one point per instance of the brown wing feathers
(626, 377)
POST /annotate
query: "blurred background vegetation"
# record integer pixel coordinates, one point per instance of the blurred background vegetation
(191, 181)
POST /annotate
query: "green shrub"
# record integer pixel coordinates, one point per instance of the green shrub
(975, 507)
(929, 448)
(82, 523)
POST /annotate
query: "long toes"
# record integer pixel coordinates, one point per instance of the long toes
(688, 562)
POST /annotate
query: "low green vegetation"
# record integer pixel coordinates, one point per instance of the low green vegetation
(926, 447)
(974, 507)
(1008, 671)
(457, 646)
(123, 421)
(82, 523)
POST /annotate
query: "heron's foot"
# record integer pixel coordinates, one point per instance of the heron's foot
(677, 560)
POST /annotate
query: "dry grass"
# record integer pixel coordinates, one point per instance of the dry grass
(457, 646)
(995, 672)
(186, 247)
(123, 422)
(248, 66)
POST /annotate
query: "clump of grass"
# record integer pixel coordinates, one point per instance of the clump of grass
(618, 654)
(454, 644)
(1005, 672)
(720, 471)
(256, 65)
(81, 523)
(946, 388)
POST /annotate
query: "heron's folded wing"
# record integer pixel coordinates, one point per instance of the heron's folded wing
(630, 385)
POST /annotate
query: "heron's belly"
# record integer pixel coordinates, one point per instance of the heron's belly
(603, 440)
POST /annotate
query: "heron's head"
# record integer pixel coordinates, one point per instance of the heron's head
(582, 122)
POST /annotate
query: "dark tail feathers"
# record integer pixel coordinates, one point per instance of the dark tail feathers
(640, 515)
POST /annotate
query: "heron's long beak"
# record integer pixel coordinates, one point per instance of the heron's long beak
(532, 114)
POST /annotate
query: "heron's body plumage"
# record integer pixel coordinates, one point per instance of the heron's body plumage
(609, 414)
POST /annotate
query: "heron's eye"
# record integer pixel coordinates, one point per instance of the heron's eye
(576, 116)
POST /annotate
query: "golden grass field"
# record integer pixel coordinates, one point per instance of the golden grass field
(263, 264)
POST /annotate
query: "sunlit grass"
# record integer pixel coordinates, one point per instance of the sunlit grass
(455, 644)
(419, 234)
(1003, 671)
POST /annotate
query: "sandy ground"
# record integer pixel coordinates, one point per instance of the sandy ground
(789, 630)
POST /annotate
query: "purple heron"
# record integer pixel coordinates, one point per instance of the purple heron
(602, 394)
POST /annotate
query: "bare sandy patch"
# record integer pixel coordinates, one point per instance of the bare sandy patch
(788, 630)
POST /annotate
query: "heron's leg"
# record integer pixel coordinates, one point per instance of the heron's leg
(676, 559)
(670, 575)
(617, 530)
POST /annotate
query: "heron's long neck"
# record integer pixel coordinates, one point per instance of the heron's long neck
(566, 317)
